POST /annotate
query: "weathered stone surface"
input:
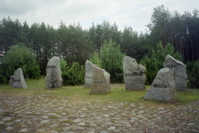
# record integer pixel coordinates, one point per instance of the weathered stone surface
(134, 74)
(88, 73)
(179, 71)
(101, 81)
(163, 87)
(17, 79)
(53, 73)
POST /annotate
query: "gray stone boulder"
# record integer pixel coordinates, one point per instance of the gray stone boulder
(134, 74)
(88, 73)
(101, 81)
(179, 71)
(17, 79)
(163, 87)
(53, 73)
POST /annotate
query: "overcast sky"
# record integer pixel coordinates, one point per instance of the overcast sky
(133, 13)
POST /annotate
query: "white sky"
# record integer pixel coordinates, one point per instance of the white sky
(133, 13)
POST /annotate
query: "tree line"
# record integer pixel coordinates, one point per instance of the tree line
(75, 44)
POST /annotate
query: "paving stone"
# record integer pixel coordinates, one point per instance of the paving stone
(18, 120)
(23, 130)
(54, 125)
(77, 120)
(53, 131)
(9, 128)
(93, 117)
(1, 122)
(81, 124)
(45, 121)
(6, 119)
(104, 132)
(41, 130)
(111, 128)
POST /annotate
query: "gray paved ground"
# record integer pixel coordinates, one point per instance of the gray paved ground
(44, 113)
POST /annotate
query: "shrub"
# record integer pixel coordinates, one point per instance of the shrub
(193, 74)
(19, 56)
(72, 75)
(110, 59)
(154, 60)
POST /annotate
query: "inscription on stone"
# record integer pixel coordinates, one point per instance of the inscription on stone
(160, 86)
(51, 66)
(134, 74)
(171, 66)
(16, 80)
(99, 82)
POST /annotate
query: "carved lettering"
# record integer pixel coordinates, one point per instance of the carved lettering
(99, 82)
(159, 85)
(51, 66)
(134, 74)
(171, 66)
(17, 80)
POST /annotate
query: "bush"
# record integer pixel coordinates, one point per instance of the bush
(72, 75)
(193, 74)
(110, 58)
(154, 60)
(19, 56)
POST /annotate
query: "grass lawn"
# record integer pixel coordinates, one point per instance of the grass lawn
(80, 94)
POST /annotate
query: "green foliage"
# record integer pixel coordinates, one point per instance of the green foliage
(154, 60)
(94, 58)
(72, 75)
(19, 57)
(193, 74)
(132, 44)
(75, 44)
(110, 59)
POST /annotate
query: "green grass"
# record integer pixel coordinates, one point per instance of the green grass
(187, 97)
(79, 94)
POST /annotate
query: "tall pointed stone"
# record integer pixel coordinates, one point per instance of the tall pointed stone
(17, 79)
(134, 74)
(101, 81)
(53, 73)
(163, 87)
(179, 71)
(88, 73)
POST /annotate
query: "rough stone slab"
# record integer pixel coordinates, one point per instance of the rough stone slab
(101, 81)
(88, 73)
(134, 74)
(163, 87)
(179, 71)
(53, 73)
(17, 79)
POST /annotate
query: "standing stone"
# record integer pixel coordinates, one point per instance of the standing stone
(88, 73)
(53, 73)
(179, 71)
(17, 79)
(101, 81)
(134, 74)
(163, 87)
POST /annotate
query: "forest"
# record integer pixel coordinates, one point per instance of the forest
(167, 30)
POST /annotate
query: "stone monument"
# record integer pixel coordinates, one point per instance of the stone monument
(163, 87)
(134, 74)
(101, 81)
(179, 71)
(88, 73)
(17, 79)
(53, 73)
